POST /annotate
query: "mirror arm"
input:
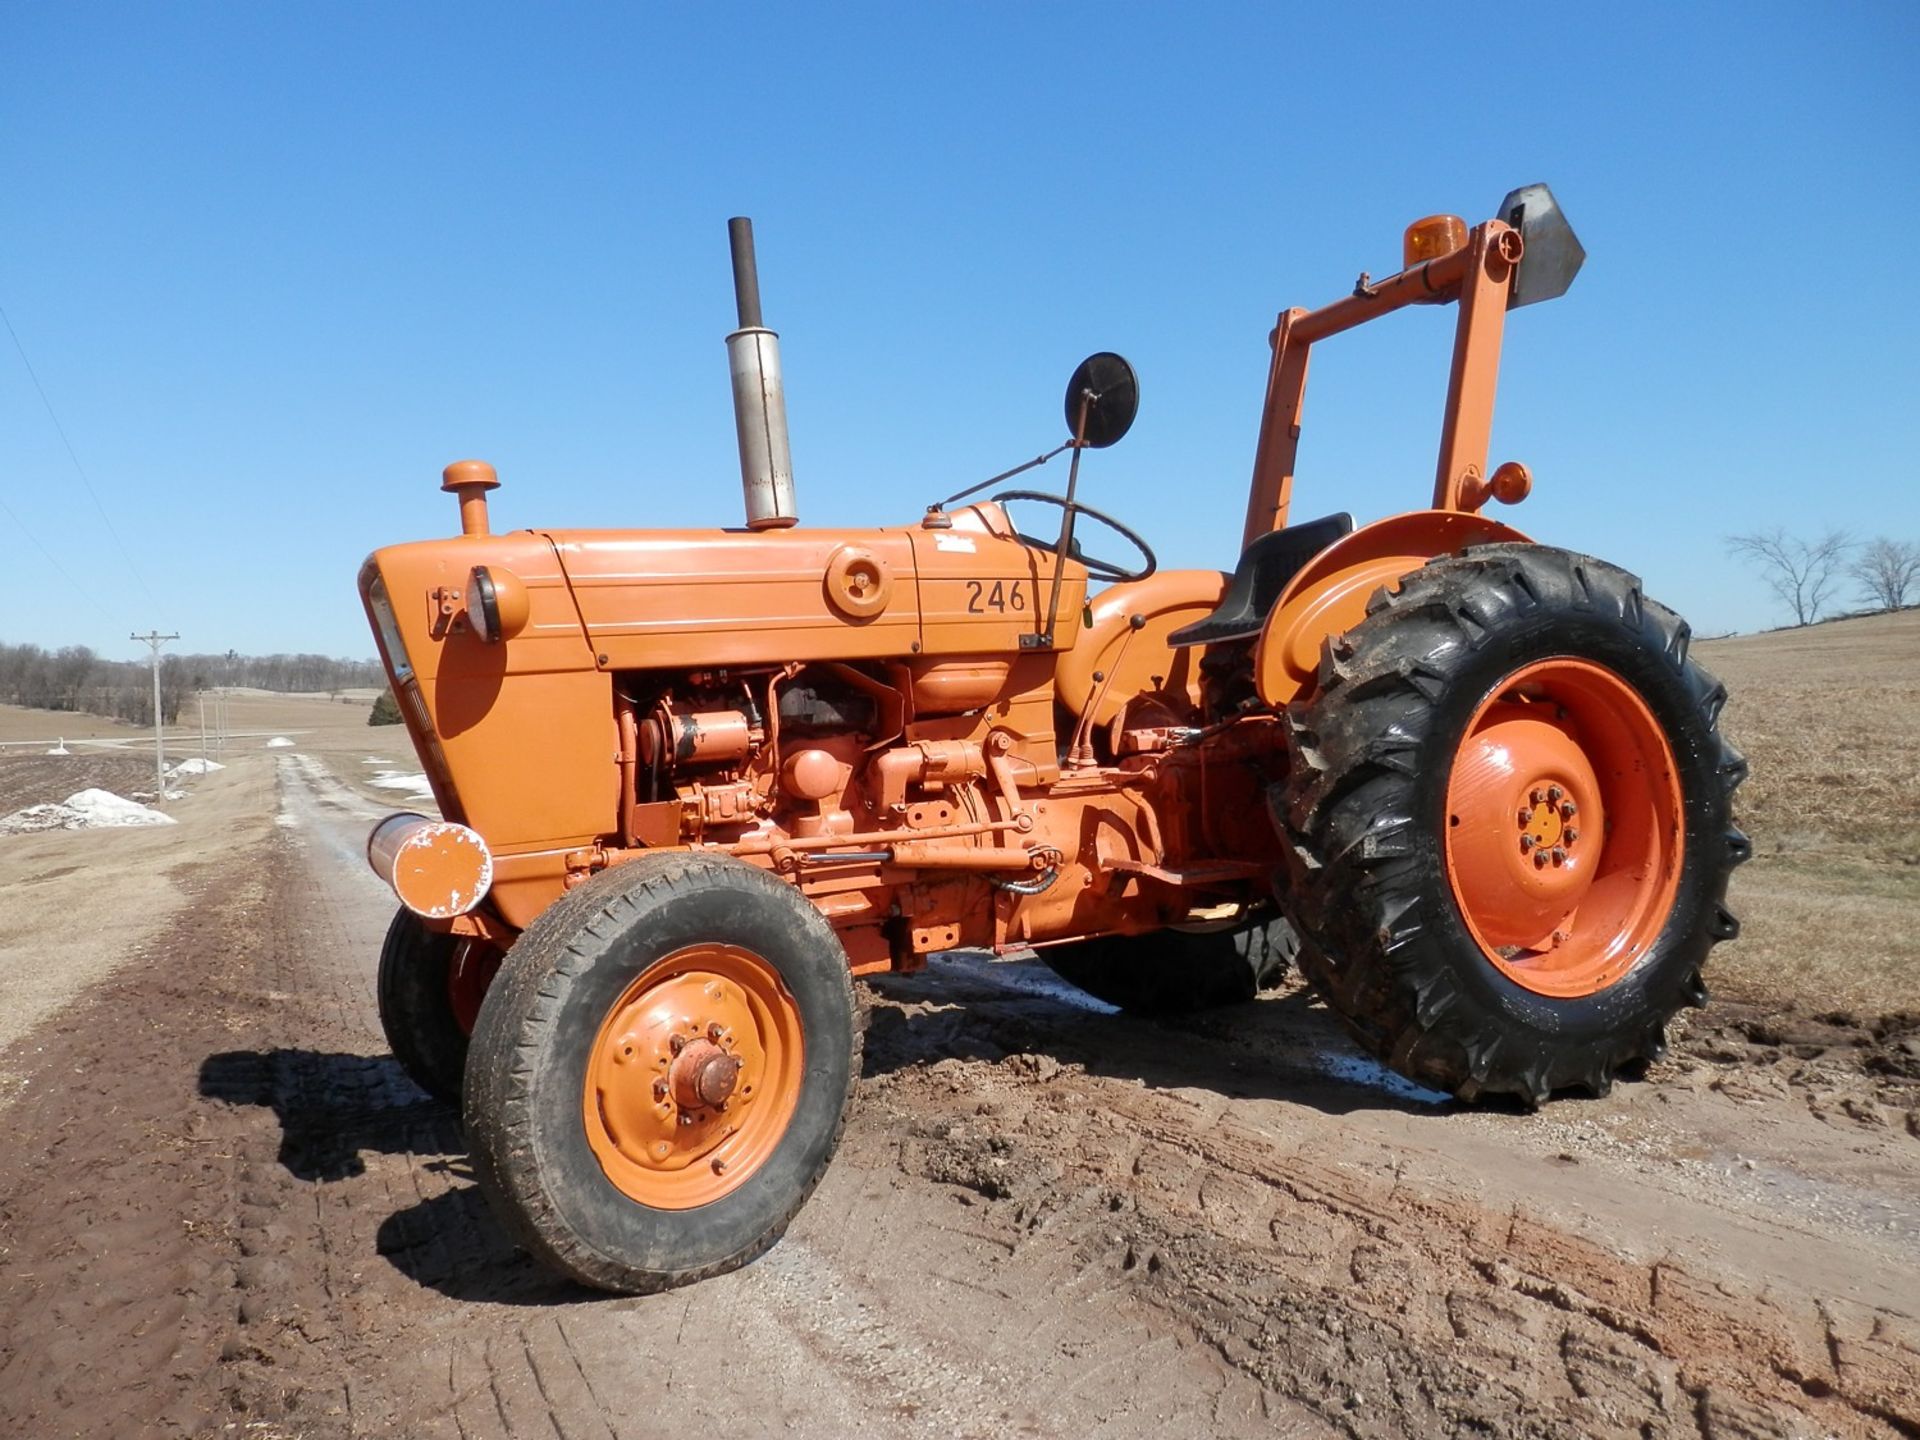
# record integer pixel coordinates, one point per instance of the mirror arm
(1065, 547)
(940, 505)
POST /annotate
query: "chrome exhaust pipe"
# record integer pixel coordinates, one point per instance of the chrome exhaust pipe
(759, 397)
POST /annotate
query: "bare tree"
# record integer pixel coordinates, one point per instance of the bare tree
(1888, 571)
(74, 678)
(1802, 573)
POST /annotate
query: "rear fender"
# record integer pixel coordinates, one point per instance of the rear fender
(1130, 662)
(1330, 594)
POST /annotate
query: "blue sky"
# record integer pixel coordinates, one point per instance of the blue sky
(276, 266)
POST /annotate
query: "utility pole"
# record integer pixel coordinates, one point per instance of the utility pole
(154, 640)
(226, 709)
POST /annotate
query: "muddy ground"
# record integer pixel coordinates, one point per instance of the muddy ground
(223, 1210)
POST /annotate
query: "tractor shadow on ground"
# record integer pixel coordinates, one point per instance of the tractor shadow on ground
(1284, 1046)
(334, 1110)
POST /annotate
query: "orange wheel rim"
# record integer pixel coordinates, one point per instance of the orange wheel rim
(693, 1077)
(1564, 827)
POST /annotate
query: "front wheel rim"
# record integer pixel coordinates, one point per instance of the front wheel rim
(470, 972)
(693, 1077)
(1564, 833)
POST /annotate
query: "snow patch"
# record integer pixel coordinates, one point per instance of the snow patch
(279, 742)
(1032, 977)
(195, 767)
(399, 780)
(60, 747)
(1360, 1070)
(375, 760)
(84, 810)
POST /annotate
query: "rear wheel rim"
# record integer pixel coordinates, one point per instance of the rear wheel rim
(693, 1077)
(1564, 833)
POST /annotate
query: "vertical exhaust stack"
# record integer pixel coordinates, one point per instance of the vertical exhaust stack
(759, 397)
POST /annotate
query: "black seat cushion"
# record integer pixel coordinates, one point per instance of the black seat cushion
(1265, 568)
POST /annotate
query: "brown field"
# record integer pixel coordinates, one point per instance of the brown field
(332, 727)
(1829, 719)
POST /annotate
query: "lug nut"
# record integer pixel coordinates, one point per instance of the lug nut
(1537, 798)
(1569, 810)
(1554, 792)
(1526, 843)
(1539, 859)
(1570, 834)
(660, 1089)
(677, 1043)
(715, 1031)
(1559, 856)
(1524, 816)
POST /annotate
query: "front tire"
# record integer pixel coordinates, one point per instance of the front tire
(662, 1071)
(1510, 807)
(429, 989)
(1175, 972)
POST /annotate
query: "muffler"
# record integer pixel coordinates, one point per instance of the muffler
(437, 869)
(759, 398)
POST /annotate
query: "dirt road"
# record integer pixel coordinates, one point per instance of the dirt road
(224, 1210)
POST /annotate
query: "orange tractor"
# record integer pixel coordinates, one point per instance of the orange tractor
(693, 782)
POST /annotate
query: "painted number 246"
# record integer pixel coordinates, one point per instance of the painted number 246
(1001, 598)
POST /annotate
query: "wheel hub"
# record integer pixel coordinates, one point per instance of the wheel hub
(703, 1076)
(1521, 786)
(693, 1076)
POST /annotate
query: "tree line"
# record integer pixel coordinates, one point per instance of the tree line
(1808, 575)
(75, 678)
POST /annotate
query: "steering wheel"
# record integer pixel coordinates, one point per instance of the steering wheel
(1098, 569)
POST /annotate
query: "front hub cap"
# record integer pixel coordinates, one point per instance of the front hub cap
(1564, 827)
(693, 1076)
(703, 1076)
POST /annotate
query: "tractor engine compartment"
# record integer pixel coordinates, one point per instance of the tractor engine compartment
(928, 804)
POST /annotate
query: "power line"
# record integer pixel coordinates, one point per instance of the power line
(79, 469)
(21, 525)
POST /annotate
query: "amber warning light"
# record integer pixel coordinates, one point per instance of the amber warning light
(1432, 237)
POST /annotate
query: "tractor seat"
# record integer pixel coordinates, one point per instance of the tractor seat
(1265, 569)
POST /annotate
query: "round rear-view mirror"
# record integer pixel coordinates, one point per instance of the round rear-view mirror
(1106, 385)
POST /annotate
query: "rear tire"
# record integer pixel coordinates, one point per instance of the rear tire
(584, 1136)
(1175, 972)
(1399, 936)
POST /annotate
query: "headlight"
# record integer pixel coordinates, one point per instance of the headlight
(391, 644)
(483, 605)
(497, 604)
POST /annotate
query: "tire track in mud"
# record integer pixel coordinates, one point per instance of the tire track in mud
(1392, 1303)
